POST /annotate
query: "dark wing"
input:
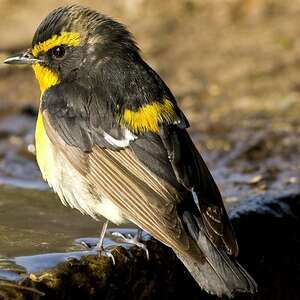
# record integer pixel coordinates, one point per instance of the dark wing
(117, 174)
(171, 155)
(192, 172)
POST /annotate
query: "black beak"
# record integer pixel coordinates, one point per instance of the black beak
(25, 58)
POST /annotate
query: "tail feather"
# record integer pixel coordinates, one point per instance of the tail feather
(219, 274)
(217, 282)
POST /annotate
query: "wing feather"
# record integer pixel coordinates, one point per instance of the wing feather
(192, 172)
(148, 207)
(123, 179)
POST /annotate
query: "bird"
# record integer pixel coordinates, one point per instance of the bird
(111, 141)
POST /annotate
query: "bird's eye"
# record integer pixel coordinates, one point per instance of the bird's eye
(58, 52)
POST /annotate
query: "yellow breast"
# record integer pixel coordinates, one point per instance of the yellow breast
(42, 146)
(46, 78)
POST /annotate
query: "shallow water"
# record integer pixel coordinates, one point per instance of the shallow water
(37, 231)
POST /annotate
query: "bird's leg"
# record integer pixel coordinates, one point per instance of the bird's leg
(135, 240)
(99, 247)
(102, 235)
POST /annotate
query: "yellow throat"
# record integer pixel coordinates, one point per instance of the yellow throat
(45, 77)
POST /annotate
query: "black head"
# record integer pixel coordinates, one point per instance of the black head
(73, 38)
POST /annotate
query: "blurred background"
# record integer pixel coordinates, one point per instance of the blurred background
(234, 67)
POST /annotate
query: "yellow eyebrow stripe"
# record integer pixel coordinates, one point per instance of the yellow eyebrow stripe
(65, 38)
(148, 117)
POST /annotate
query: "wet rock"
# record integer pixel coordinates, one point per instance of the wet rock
(267, 230)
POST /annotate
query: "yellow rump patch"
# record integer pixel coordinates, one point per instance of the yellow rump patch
(148, 117)
(65, 38)
(45, 77)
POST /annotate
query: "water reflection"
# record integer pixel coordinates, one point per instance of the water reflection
(37, 232)
(15, 268)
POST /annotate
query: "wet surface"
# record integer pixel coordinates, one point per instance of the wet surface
(34, 221)
(38, 232)
(15, 268)
(260, 224)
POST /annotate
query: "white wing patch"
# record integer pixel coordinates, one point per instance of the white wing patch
(121, 143)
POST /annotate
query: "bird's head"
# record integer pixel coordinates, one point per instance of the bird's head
(70, 42)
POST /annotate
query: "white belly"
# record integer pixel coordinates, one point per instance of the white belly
(70, 185)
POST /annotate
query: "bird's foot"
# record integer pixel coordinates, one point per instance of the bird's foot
(106, 252)
(100, 250)
(134, 240)
(99, 247)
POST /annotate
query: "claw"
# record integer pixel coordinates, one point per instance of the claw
(103, 252)
(99, 247)
(100, 250)
(85, 245)
(132, 240)
(120, 235)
